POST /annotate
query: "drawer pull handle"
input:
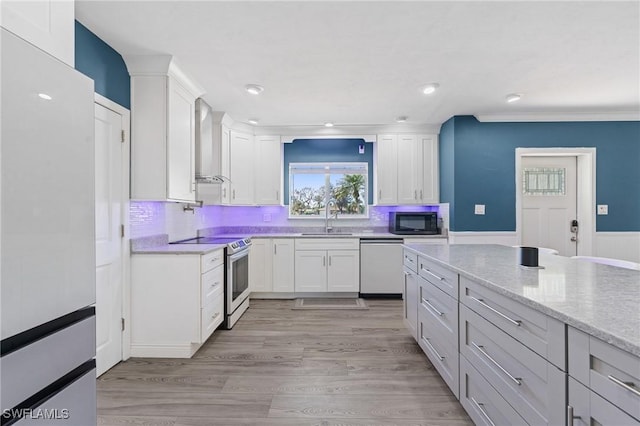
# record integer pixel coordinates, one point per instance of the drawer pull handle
(214, 285)
(431, 273)
(435, 352)
(516, 380)
(484, 413)
(215, 315)
(433, 308)
(409, 259)
(570, 416)
(630, 386)
(512, 321)
(215, 259)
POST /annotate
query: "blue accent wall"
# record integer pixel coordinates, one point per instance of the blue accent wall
(327, 150)
(484, 157)
(97, 60)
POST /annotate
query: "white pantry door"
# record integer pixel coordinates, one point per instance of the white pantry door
(548, 207)
(108, 140)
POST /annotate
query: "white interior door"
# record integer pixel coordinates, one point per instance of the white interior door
(108, 134)
(549, 203)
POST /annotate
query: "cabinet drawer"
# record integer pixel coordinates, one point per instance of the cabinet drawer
(523, 378)
(440, 277)
(589, 408)
(483, 403)
(212, 285)
(211, 260)
(440, 307)
(212, 317)
(608, 371)
(410, 260)
(440, 350)
(543, 334)
(327, 243)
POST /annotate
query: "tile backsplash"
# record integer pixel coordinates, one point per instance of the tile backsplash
(151, 218)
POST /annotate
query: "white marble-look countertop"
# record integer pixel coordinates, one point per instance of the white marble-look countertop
(601, 300)
(179, 249)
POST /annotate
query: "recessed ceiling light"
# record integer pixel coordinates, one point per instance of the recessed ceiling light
(328, 124)
(401, 119)
(513, 97)
(44, 96)
(430, 88)
(253, 121)
(254, 89)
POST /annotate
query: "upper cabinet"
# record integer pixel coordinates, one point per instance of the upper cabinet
(47, 24)
(162, 130)
(407, 169)
(247, 168)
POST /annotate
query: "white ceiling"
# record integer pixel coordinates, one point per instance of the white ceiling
(362, 63)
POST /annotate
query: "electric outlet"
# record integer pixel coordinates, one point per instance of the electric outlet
(266, 217)
(479, 209)
(603, 209)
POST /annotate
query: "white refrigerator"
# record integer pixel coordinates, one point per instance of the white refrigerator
(47, 245)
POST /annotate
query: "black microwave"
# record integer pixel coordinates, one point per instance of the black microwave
(413, 223)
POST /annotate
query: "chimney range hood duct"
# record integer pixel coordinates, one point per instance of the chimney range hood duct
(207, 165)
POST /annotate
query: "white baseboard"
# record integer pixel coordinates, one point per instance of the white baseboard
(505, 238)
(618, 245)
(185, 350)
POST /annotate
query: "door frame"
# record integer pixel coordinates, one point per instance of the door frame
(586, 191)
(124, 217)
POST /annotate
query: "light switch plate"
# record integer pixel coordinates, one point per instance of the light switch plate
(479, 209)
(603, 209)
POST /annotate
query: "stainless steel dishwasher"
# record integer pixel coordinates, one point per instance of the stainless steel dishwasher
(381, 267)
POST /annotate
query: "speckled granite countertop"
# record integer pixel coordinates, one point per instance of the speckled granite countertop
(601, 300)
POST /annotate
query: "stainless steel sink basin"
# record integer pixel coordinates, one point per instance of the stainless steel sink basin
(324, 234)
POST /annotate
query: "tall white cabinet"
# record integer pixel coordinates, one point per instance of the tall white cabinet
(163, 130)
(407, 169)
(47, 24)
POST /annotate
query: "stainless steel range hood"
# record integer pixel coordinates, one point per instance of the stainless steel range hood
(207, 157)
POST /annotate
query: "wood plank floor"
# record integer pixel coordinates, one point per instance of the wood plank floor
(287, 367)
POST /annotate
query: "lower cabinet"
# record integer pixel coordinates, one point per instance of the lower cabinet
(604, 382)
(271, 265)
(410, 301)
(327, 265)
(177, 302)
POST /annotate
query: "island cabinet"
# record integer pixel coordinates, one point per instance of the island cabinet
(271, 266)
(410, 292)
(518, 354)
(327, 265)
(177, 302)
(438, 319)
(604, 382)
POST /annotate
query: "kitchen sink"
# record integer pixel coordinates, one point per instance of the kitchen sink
(324, 234)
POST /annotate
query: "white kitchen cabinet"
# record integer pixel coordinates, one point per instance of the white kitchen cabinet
(387, 169)
(410, 293)
(327, 265)
(162, 130)
(177, 302)
(268, 170)
(587, 408)
(271, 265)
(283, 265)
(407, 169)
(261, 265)
(241, 170)
(47, 24)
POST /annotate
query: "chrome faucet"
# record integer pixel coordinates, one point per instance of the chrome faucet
(327, 216)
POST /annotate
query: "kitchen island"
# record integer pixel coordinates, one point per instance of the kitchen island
(527, 345)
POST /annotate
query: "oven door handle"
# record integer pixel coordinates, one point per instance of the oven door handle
(239, 255)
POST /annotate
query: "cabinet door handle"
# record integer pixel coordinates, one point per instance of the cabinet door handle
(275, 249)
(630, 386)
(214, 285)
(224, 192)
(324, 261)
(430, 346)
(409, 259)
(421, 194)
(422, 268)
(433, 308)
(516, 380)
(570, 416)
(484, 413)
(415, 194)
(234, 194)
(379, 194)
(329, 260)
(277, 195)
(512, 321)
(215, 315)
